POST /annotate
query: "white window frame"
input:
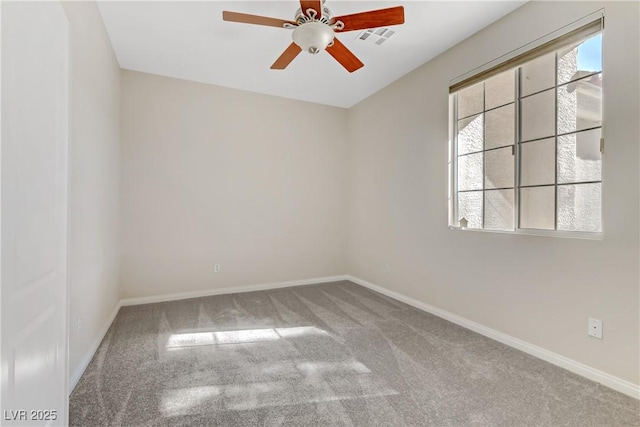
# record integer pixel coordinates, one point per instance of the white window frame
(453, 142)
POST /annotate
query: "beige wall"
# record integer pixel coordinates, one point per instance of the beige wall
(94, 177)
(538, 289)
(211, 175)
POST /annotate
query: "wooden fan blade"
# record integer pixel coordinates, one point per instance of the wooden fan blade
(344, 56)
(255, 19)
(287, 56)
(311, 4)
(371, 19)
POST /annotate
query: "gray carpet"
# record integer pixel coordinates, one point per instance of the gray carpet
(332, 354)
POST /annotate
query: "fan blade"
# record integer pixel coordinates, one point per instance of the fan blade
(254, 19)
(344, 56)
(371, 19)
(311, 4)
(287, 56)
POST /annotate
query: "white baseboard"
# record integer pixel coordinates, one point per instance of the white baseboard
(75, 377)
(593, 374)
(230, 290)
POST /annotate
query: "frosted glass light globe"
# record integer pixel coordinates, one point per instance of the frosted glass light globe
(313, 36)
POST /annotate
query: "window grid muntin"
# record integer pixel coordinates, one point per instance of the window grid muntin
(555, 140)
(551, 136)
(517, 169)
(454, 160)
(586, 76)
(508, 103)
(484, 145)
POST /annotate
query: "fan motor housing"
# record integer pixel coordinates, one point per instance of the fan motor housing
(303, 16)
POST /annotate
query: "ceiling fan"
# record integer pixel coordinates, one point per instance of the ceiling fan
(314, 29)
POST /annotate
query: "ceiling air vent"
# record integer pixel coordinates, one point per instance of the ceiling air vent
(376, 35)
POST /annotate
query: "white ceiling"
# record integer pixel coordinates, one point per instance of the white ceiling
(189, 40)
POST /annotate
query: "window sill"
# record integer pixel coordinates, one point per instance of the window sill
(582, 235)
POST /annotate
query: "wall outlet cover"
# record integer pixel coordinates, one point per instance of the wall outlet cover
(594, 328)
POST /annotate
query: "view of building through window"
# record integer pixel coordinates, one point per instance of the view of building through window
(527, 150)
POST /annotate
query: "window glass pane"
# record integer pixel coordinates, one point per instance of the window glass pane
(538, 74)
(470, 207)
(579, 157)
(580, 104)
(538, 162)
(498, 209)
(500, 127)
(470, 172)
(579, 207)
(500, 90)
(538, 116)
(498, 168)
(537, 208)
(580, 59)
(471, 100)
(470, 131)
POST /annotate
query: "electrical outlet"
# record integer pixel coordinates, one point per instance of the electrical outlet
(594, 328)
(387, 269)
(78, 324)
(216, 268)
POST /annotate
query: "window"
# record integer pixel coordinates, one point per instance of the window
(526, 149)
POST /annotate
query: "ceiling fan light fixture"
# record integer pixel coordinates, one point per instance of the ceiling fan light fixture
(314, 28)
(313, 37)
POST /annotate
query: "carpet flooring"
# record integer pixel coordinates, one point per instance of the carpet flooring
(333, 354)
